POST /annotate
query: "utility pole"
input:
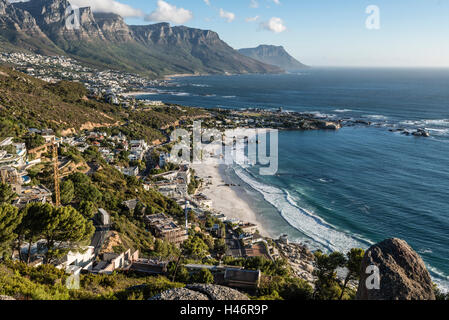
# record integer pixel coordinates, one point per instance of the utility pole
(56, 175)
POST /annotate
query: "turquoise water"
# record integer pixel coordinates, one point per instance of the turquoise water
(357, 186)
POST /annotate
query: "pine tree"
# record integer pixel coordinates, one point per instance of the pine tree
(10, 218)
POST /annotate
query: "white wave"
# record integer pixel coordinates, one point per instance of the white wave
(200, 85)
(319, 114)
(343, 110)
(439, 132)
(180, 94)
(440, 278)
(323, 235)
(440, 122)
(423, 123)
(376, 117)
(229, 97)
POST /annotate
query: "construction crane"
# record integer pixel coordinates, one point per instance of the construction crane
(56, 175)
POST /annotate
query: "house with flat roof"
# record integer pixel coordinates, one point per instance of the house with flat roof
(165, 228)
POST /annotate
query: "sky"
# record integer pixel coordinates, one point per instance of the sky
(374, 33)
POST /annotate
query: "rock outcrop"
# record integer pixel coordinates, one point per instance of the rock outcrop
(180, 294)
(201, 292)
(6, 298)
(216, 292)
(402, 273)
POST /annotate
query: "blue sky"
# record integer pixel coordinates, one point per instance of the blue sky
(317, 32)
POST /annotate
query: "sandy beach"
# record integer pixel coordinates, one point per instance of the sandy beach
(226, 198)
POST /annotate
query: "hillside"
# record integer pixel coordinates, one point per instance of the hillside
(106, 41)
(26, 102)
(274, 55)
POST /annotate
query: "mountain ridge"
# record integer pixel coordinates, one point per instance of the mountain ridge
(104, 40)
(273, 55)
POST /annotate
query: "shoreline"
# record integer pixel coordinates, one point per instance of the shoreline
(226, 197)
(136, 93)
(183, 75)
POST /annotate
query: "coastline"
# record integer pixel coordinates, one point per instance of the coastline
(136, 93)
(183, 75)
(226, 197)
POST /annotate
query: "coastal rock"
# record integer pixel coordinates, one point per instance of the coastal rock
(421, 133)
(402, 273)
(300, 259)
(201, 292)
(329, 125)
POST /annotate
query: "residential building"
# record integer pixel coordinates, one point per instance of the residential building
(165, 228)
(249, 228)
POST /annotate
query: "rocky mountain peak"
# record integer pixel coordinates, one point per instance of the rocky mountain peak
(113, 26)
(3, 5)
(152, 49)
(52, 15)
(45, 11)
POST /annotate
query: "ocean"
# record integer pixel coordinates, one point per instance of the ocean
(356, 186)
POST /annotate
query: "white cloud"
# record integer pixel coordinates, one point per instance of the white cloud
(207, 2)
(254, 4)
(109, 6)
(278, 2)
(166, 12)
(229, 16)
(274, 24)
(252, 19)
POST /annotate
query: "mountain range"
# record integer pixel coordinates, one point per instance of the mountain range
(104, 40)
(274, 55)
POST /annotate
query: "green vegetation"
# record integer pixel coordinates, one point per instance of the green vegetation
(61, 228)
(194, 183)
(10, 218)
(196, 248)
(26, 102)
(285, 288)
(6, 193)
(270, 268)
(204, 276)
(328, 286)
(33, 141)
(48, 283)
(441, 296)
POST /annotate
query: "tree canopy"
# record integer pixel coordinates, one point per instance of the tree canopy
(10, 218)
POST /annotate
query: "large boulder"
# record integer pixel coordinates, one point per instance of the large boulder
(201, 292)
(216, 292)
(402, 273)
